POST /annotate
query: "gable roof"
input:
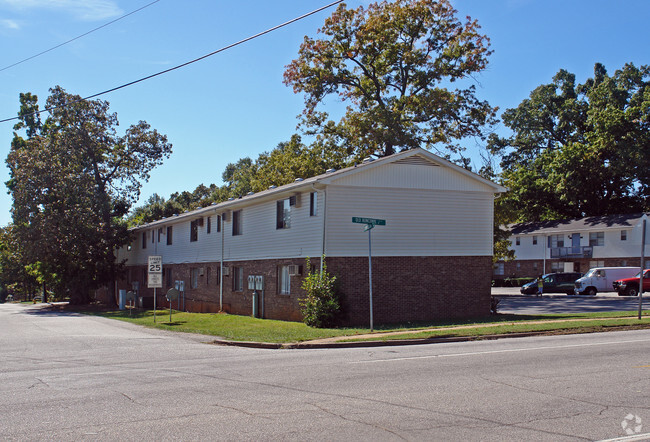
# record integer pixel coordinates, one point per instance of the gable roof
(603, 222)
(413, 156)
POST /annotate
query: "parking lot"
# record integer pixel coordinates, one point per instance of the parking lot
(512, 301)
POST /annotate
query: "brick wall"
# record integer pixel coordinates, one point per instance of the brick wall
(404, 288)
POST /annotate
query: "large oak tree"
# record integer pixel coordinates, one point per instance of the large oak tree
(404, 68)
(579, 149)
(73, 179)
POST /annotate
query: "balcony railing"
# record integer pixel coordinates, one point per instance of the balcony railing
(572, 252)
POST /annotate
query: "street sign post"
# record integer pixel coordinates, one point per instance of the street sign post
(154, 278)
(370, 224)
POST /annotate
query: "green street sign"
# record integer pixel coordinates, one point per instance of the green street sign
(370, 221)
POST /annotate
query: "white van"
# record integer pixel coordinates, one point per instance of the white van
(600, 279)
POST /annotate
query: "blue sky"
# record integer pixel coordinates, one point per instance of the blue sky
(234, 104)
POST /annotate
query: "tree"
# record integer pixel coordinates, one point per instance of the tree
(73, 179)
(394, 65)
(579, 150)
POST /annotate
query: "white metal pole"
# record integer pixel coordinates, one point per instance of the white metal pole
(642, 268)
(154, 305)
(370, 270)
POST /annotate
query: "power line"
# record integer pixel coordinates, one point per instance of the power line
(232, 45)
(77, 37)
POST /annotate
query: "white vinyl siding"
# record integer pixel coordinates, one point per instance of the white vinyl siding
(418, 222)
(408, 176)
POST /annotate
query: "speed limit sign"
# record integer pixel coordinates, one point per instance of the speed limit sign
(154, 273)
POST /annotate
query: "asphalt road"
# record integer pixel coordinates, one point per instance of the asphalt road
(70, 377)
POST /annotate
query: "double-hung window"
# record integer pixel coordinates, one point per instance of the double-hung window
(283, 214)
(169, 235)
(236, 223)
(596, 238)
(284, 280)
(238, 279)
(144, 240)
(313, 204)
(194, 230)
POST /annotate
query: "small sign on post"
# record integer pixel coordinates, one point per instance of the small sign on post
(370, 223)
(172, 295)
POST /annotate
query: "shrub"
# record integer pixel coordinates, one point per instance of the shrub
(321, 304)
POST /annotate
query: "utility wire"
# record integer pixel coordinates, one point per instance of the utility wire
(232, 45)
(78, 37)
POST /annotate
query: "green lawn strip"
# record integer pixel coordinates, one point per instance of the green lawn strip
(246, 328)
(230, 327)
(577, 326)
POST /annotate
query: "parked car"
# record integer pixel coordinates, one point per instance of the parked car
(630, 286)
(600, 279)
(553, 283)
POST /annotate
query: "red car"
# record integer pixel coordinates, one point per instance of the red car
(630, 286)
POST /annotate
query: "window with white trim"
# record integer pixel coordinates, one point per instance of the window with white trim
(313, 204)
(238, 279)
(556, 241)
(236, 223)
(284, 280)
(596, 238)
(534, 240)
(283, 214)
(518, 240)
(194, 277)
(623, 235)
(499, 268)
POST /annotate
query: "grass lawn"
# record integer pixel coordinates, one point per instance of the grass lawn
(246, 328)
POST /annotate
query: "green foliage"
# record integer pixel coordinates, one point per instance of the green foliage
(578, 150)
(72, 181)
(288, 161)
(321, 304)
(394, 63)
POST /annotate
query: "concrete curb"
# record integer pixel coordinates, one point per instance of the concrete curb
(362, 344)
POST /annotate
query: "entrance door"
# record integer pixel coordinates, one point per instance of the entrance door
(575, 244)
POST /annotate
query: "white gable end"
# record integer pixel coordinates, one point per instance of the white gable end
(414, 172)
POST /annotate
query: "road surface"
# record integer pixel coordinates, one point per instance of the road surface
(71, 377)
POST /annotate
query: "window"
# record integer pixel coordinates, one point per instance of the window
(208, 229)
(160, 231)
(238, 279)
(284, 280)
(597, 238)
(194, 230)
(623, 235)
(534, 240)
(218, 223)
(236, 223)
(153, 237)
(518, 240)
(283, 214)
(313, 204)
(556, 241)
(499, 268)
(144, 240)
(169, 235)
(207, 276)
(535, 265)
(194, 277)
(518, 266)
(593, 264)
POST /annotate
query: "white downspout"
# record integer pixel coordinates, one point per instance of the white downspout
(223, 229)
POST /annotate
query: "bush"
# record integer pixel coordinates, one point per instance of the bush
(321, 305)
